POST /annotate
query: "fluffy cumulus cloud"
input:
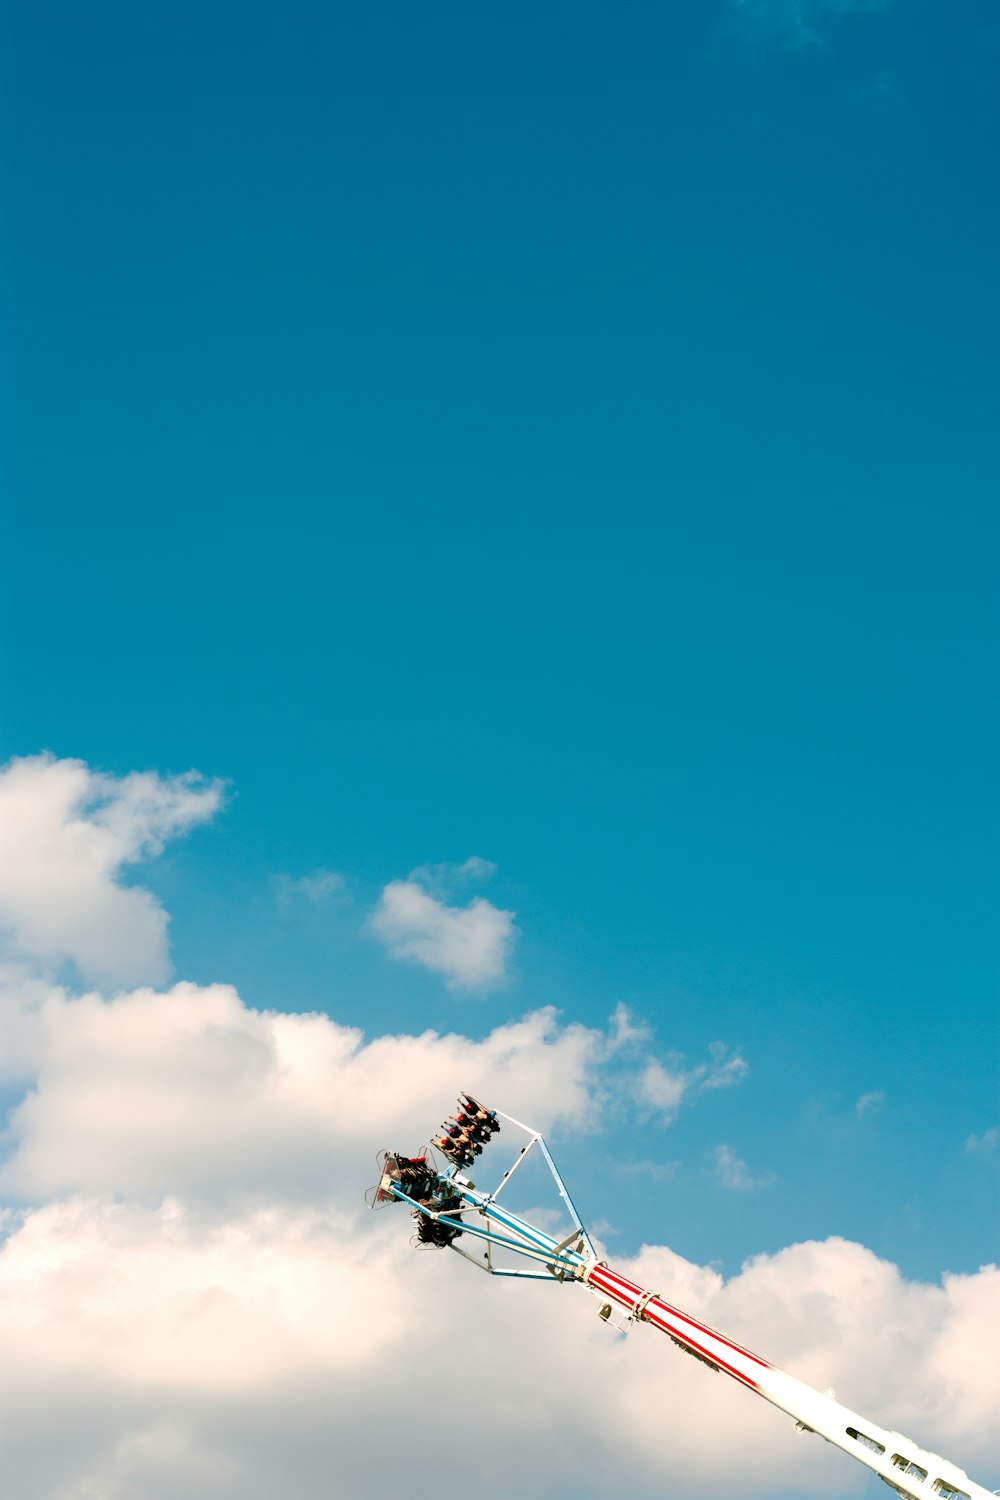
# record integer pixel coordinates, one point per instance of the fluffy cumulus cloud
(66, 832)
(191, 1090)
(193, 1300)
(270, 1351)
(469, 945)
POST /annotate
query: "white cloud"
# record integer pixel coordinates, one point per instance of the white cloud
(985, 1142)
(470, 945)
(194, 1302)
(192, 1091)
(205, 1309)
(869, 1104)
(725, 1068)
(65, 834)
(624, 1032)
(731, 1172)
(445, 877)
(796, 23)
(661, 1089)
(316, 888)
(22, 999)
(264, 1354)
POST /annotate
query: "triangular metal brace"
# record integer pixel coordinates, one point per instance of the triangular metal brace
(574, 1241)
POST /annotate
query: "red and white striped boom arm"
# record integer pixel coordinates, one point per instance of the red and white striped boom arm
(911, 1471)
(447, 1206)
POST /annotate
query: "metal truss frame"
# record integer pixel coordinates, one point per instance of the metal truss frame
(482, 1217)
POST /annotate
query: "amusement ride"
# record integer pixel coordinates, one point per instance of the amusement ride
(448, 1207)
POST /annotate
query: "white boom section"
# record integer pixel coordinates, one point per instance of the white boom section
(912, 1471)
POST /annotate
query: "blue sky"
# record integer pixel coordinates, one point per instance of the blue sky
(563, 435)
